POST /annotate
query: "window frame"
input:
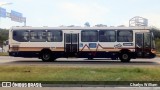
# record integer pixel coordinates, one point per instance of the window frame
(97, 39)
(124, 31)
(106, 31)
(52, 35)
(38, 35)
(23, 36)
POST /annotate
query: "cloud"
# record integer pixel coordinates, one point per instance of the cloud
(4, 3)
(153, 19)
(82, 12)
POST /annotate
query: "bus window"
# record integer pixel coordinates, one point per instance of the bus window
(54, 36)
(89, 36)
(38, 36)
(21, 36)
(107, 36)
(124, 36)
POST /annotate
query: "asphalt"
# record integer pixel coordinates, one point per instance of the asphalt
(7, 60)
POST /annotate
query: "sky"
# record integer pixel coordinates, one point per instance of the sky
(55, 13)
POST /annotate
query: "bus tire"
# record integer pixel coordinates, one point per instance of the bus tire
(46, 56)
(125, 57)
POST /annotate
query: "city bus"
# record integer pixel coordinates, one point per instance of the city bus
(50, 43)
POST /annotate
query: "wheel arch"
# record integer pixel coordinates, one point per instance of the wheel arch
(127, 52)
(124, 50)
(44, 50)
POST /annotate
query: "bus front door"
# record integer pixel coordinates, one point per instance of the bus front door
(71, 44)
(142, 44)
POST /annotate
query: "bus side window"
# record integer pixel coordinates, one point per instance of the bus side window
(42, 35)
(33, 35)
(21, 35)
(38, 36)
(26, 36)
(54, 36)
(124, 36)
(107, 36)
(89, 36)
(49, 36)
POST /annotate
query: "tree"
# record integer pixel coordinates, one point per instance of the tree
(87, 24)
(100, 25)
(3, 35)
(156, 32)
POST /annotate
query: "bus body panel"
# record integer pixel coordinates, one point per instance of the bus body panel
(86, 49)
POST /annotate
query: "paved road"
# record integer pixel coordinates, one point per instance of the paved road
(6, 60)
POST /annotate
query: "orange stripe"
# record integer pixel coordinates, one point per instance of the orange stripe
(35, 49)
(62, 49)
(59, 47)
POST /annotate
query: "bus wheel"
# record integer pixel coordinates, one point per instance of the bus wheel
(125, 57)
(46, 56)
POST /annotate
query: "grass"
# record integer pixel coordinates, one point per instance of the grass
(50, 73)
(4, 54)
(158, 54)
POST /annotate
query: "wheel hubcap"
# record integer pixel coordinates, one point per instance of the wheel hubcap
(125, 56)
(46, 56)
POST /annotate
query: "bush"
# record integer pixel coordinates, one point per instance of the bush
(3, 36)
(158, 45)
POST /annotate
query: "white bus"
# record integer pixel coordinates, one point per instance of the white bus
(50, 43)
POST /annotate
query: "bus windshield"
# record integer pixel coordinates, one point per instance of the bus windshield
(153, 41)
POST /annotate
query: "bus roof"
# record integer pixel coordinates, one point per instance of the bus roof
(79, 28)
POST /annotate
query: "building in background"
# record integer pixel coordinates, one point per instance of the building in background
(138, 21)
